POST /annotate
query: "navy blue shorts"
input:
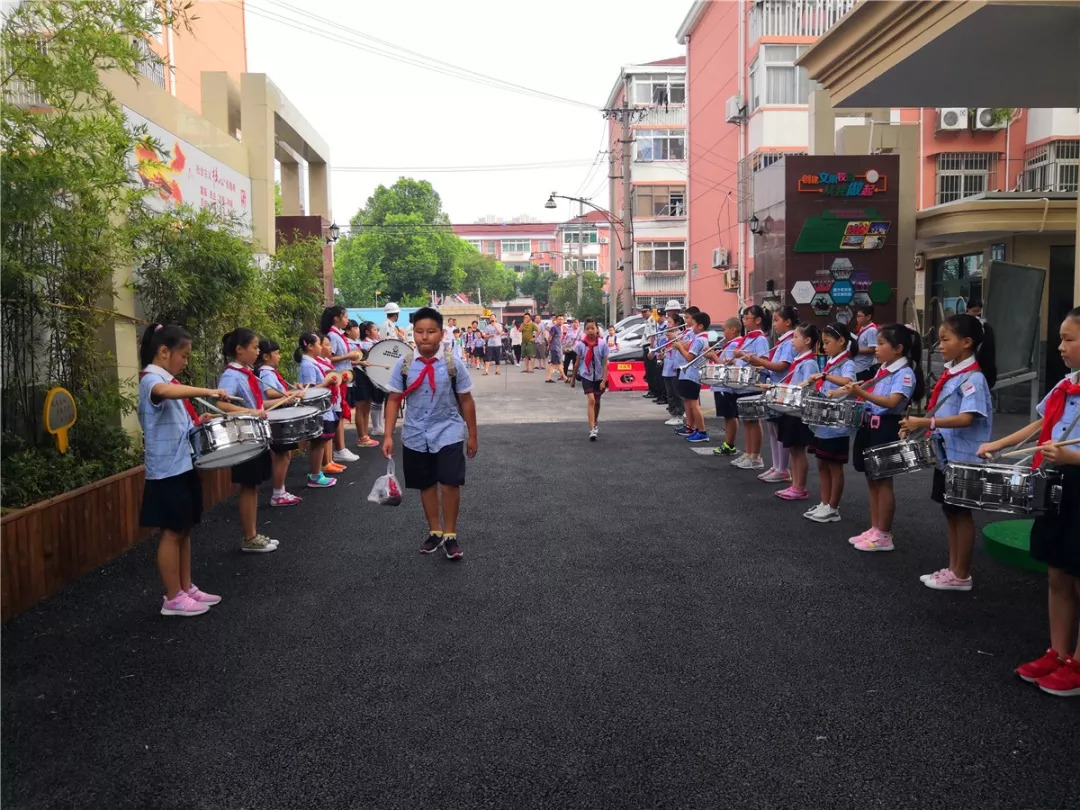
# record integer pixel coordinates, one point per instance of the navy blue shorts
(688, 389)
(590, 386)
(425, 470)
(726, 406)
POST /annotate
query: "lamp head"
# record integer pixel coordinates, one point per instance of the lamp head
(551, 201)
(755, 224)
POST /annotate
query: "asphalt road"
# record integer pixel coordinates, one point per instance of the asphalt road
(633, 625)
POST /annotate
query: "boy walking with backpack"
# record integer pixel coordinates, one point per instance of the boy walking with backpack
(439, 429)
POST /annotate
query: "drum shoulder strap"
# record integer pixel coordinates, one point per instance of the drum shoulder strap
(451, 369)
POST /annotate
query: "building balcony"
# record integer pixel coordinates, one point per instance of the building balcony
(662, 116)
(796, 18)
(660, 283)
(515, 256)
(150, 64)
(1054, 166)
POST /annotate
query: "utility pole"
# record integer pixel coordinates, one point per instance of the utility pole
(613, 298)
(625, 116)
(581, 254)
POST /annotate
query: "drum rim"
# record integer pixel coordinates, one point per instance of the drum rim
(279, 414)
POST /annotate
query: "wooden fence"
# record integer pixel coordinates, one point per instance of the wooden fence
(45, 546)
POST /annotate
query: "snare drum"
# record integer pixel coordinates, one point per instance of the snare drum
(787, 399)
(713, 375)
(837, 413)
(741, 378)
(226, 441)
(1003, 488)
(318, 398)
(295, 425)
(904, 456)
(751, 408)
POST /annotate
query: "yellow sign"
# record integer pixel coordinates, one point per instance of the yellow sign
(60, 415)
(623, 367)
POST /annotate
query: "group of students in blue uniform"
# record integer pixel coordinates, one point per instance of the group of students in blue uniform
(958, 420)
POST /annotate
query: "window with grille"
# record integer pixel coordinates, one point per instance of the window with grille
(545, 267)
(774, 78)
(573, 237)
(1054, 166)
(660, 88)
(964, 174)
(660, 144)
(660, 257)
(660, 201)
(516, 246)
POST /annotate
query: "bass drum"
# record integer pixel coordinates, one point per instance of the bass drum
(381, 359)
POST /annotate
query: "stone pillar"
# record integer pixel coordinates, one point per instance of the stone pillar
(257, 124)
(291, 198)
(319, 190)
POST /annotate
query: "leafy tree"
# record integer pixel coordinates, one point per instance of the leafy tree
(563, 296)
(277, 199)
(406, 196)
(536, 283)
(494, 281)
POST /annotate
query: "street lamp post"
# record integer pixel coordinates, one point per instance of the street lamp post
(624, 243)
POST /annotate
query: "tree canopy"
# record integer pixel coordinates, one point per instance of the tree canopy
(563, 297)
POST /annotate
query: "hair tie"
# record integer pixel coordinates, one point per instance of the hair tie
(158, 327)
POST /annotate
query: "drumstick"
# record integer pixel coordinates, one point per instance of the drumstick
(210, 406)
(278, 404)
(1030, 450)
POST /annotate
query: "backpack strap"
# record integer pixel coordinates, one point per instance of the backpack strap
(451, 368)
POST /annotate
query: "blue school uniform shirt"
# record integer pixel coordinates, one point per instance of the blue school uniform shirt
(310, 374)
(432, 422)
(757, 345)
(846, 368)
(268, 379)
(595, 372)
(1061, 430)
(867, 337)
(803, 371)
(903, 382)
(338, 347)
(235, 382)
(783, 352)
(673, 359)
(965, 392)
(166, 426)
(698, 345)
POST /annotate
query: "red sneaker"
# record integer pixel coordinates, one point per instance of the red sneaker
(1063, 681)
(1040, 667)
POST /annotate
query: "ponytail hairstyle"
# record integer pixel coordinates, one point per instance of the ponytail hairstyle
(756, 312)
(266, 346)
(910, 346)
(811, 333)
(328, 316)
(790, 314)
(307, 339)
(366, 327)
(156, 335)
(840, 331)
(969, 327)
(236, 338)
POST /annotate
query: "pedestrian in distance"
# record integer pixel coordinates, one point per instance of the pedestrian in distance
(492, 333)
(528, 343)
(439, 430)
(172, 498)
(555, 349)
(724, 397)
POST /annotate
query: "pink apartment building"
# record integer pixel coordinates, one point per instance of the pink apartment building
(747, 106)
(554, 246)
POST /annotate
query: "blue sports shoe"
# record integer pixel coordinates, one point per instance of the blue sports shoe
(683, 431)
(697, 436)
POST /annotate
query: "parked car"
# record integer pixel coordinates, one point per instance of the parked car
(630, 349)
(626, 323)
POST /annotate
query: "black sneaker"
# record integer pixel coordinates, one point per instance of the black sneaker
(431, 544)
(648, 395)
(452, 549)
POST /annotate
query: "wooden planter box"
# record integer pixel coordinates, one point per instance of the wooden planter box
(51, 543)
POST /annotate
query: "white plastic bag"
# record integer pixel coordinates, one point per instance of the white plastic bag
(386, 491)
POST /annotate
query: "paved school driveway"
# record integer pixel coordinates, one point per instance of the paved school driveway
(680, 639)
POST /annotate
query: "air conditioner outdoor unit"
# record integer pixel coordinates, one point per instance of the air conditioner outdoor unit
(735, 109)
(951, 119)
(986, 118)
(720, 257)
(603, 240)
(731, 279)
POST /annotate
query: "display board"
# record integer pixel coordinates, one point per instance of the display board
(1012, 304)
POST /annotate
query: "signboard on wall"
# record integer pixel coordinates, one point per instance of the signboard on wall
(181, 174)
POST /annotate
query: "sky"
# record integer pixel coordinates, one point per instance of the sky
(381, 113)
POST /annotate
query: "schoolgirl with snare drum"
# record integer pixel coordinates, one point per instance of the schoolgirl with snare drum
(275, 387)
(792, 433)
(754, 343)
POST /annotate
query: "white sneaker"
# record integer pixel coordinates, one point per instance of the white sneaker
(814, 509)
(345, 455)
(756, 464)
(593, 434)
(674, 421)
(739, 459)
(825, 515)
(765, 475)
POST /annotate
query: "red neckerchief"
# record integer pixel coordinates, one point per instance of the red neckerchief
(1055, 409)
(280, 379)
(870, 325)
(798, 361)
(589, 347)
(253, 383)
(944, 378)
(748, 336)
(426, 373)
(780, 343)
(328, 368)
(833, 363)
(187, 405)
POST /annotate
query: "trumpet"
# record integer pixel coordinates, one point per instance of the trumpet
(701, 360)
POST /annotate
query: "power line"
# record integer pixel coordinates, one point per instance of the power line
(327, 29)
(503, 167)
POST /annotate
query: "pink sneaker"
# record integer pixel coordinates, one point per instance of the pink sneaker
(875, 541)
(948, 581)
(202, 597)
(285, 499)
(792, 494)
(182, 605)
(777, 477)
(766, 474)
(935, 575)
(859, 537)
